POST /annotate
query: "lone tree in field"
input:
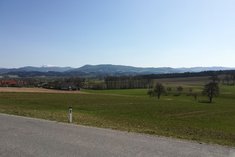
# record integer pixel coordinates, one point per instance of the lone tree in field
(158, 90)
(169, 89)
(211, 90)
(179, 89)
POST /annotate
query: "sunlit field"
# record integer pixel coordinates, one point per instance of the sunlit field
(133, 110)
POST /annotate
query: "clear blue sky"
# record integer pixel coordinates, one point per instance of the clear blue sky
(143, 33)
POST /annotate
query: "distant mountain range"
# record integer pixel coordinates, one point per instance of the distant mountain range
(38, 69)
(102, 69)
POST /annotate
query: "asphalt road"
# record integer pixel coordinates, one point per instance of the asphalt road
(28, 137)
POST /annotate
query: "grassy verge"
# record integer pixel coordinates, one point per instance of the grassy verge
(132, 110)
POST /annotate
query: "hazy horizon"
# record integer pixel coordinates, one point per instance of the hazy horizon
(40, 66)
(151, 33)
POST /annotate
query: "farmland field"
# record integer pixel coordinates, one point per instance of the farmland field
(132, 110)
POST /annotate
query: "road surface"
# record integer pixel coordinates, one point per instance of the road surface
(28, 137)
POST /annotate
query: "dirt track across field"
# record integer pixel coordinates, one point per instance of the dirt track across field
(34, 90)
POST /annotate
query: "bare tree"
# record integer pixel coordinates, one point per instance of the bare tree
(211, 90)
(179, 89)
(158, 90)
(169, 89)
(150, 93)
(190, 91)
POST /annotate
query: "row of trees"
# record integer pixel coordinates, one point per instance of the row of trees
(63, 84)
(229, 79)
(126, 82)
(210, 90)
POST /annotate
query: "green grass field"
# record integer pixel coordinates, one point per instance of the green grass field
(132, 110)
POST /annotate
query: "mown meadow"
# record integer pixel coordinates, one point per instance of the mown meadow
(133, 110)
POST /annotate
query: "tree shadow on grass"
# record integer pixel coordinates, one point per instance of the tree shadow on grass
(205, 101)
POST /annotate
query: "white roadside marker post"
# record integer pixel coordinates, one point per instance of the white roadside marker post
(70, 116)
